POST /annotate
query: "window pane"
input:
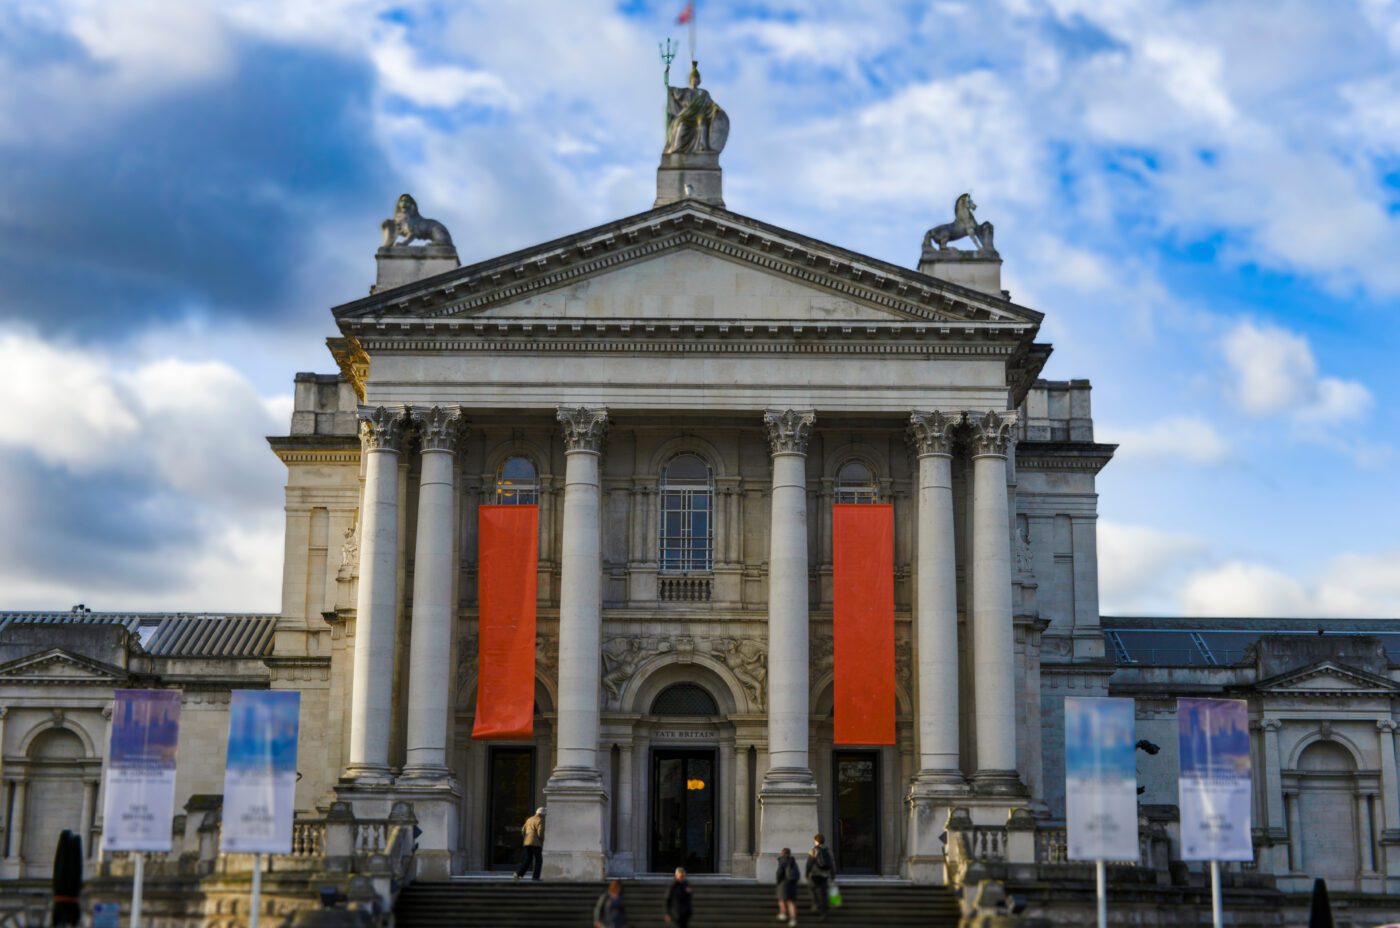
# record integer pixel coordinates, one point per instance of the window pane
(685, 535)
(687, 467)
(517, 482)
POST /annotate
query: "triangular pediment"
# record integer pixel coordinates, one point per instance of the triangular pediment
(1327, 678)
(57, 666)
(688, 261)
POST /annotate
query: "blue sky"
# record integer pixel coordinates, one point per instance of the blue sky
(1203, 198)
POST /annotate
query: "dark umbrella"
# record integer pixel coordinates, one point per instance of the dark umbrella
(1321, 914)
(67, 879)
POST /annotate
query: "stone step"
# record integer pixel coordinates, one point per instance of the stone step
(738, 904)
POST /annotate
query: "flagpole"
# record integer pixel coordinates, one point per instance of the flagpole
(257, 891)
(1101, 877)
(1216, 915)
(136, 884)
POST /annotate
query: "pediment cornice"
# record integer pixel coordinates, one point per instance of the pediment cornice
(1326, 679)
(59, 667)
(450, 299)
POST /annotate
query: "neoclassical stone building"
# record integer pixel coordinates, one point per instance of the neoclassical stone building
(684, 396)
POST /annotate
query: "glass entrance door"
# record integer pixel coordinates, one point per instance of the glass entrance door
(683, 811)
(856, 835)
(511, 800)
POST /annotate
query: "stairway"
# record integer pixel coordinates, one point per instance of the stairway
(718, 904)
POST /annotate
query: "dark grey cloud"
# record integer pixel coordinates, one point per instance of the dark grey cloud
(202, 202)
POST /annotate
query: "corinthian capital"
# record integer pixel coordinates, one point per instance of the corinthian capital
(440, 428)
(1385, 725)
(932, 432)
(789, 430)
(992, 432)
(584, 428)
(382, 428)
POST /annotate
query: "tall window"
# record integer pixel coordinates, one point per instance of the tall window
(517, 483)
(687, 515)
(856, 484)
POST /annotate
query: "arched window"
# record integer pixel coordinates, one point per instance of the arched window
(687, 516)
(856, 484)
(517, 483)
(684, 699)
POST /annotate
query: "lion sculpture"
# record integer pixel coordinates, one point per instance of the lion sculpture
(964, 225)
(409, 226)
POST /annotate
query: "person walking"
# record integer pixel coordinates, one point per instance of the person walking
(679, 905)
(787, 887)
(533, 830)
(608, 911)
(821, 867)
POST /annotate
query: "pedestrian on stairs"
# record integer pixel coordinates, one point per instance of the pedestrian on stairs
(608, 911)
(787, 887)
(678, 902)
(533, 830)
(821, 867)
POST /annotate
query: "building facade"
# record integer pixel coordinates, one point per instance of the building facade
(685, 394)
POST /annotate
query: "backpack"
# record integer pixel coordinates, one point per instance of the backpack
(823, 866)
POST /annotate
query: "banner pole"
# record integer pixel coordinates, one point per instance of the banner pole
(1101, 875)
(257, 890)
(136, 890)
(1215, 908)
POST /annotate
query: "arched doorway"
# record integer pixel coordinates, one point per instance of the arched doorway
(1327, 804)
(684, 787)
(55, 796)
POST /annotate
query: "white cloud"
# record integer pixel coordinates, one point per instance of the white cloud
(1140, 567)
(1275, 373)
(1355, 585)
(1176, 438)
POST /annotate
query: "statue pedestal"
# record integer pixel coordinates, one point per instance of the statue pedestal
(966, 268)
(689, 177)
(406, 264)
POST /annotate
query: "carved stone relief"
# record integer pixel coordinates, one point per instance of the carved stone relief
(747, 659)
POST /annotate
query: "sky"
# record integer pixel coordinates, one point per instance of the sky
(1203, 198)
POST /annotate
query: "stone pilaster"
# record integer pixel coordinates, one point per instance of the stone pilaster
(574, 794)
(939, 777)
(788, 797)
(1390, 806)
(382, 431)
(994, 655)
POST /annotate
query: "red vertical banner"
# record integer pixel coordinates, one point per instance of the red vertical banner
(863, 619)
(508, 542)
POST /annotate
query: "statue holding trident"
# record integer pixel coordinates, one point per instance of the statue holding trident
(695, 124)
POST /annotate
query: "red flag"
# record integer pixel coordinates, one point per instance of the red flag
(687, 14)
(505, 683)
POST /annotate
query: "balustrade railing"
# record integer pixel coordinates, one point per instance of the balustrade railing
(685, 589)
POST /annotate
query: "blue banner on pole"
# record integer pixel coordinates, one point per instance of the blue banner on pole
(261, 771)
(1215, 781)
(1101, 779)
(139, 803)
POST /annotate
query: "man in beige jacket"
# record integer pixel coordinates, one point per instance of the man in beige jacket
(533, 830)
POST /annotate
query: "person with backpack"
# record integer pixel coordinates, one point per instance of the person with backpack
(608, 911)
(787, 887)
(679, 906)
(821, 867)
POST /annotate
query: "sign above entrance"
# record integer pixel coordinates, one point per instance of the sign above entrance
(682, 734)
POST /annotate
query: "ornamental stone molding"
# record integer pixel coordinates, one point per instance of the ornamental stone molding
(789, 430)
(992, 432)
(440, 428)
(1385, 725)
(584, 427)
(1270, 725)
(933, 432)
(382, 428)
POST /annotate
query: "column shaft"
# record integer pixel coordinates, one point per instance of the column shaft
(994, 660)
(430, 653)
(1390, 783)
(371, 699)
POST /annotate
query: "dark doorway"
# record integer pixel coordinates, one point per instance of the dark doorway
(683, 786)
(510, 801)
(856, 835)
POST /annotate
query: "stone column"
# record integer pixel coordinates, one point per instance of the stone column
(430, 682)
(993, 638)
(1275, 823)
(939, 775)
(575, 794)
(17, 811)
(85, 817)
(788, 798)
(1295, 833)
(1390, 807)
(1365, 847)
(372, 693)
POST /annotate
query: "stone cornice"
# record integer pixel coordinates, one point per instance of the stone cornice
(1044, 455)
(1357, 683)
(315, 449)
(685, 225)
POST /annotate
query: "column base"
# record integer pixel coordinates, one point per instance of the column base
(436, 804)
(368, 775)
(932, 794)
(998, 783)
(787, 816)
(576, 805)
(424, 775)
